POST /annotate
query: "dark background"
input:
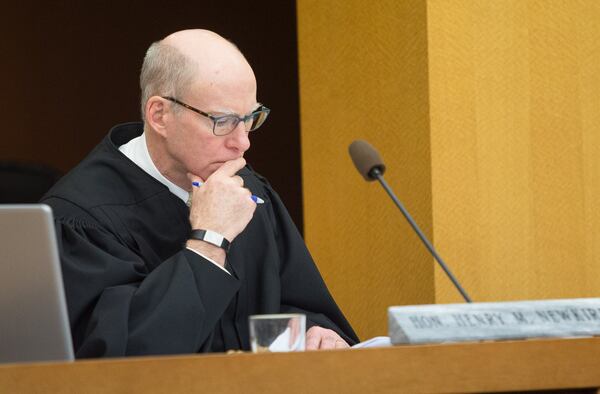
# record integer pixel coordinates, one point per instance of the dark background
(70, 72)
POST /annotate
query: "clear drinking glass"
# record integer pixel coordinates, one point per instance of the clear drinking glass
(278, 333)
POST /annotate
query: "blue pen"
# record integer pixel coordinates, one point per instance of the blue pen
(254, 198)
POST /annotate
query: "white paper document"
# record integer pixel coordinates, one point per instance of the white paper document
(374, 342)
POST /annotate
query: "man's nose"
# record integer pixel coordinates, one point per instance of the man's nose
(238, 138)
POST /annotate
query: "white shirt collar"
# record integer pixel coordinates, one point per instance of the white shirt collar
(136, 150)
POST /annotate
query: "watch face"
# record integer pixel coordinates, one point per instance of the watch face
(213, 238)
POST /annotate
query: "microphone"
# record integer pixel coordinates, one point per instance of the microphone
(370, 165)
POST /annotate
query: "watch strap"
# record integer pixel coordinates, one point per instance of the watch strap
(211, 237)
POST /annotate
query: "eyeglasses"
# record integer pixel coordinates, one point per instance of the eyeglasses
(225, 124)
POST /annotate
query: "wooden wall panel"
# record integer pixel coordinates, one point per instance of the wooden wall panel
(515, 148)
(363, 74)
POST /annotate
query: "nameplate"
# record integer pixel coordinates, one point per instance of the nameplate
(494, 320)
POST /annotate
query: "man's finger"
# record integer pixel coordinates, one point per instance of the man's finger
(231, 167)
(239, 180)
(341, 344)
(328, 342)
(312, 341)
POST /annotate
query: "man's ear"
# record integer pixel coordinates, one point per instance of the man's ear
(158, 114)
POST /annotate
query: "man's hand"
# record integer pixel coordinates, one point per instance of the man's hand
(222, 204)
(323, 338)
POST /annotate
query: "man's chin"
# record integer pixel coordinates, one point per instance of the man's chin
(215, 166)
(210, 169)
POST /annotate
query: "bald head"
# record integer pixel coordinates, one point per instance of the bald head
(193, 59)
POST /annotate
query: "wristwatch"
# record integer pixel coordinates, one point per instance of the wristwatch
(211, 237)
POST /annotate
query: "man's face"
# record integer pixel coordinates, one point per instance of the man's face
(191, 143)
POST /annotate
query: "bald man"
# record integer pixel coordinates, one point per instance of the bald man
(168, 240)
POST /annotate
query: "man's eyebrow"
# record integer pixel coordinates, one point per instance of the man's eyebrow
(220, 112)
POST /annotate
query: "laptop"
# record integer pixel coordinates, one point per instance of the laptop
(34, 324)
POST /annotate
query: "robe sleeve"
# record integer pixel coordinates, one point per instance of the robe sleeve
(303, 290)
(118, 307)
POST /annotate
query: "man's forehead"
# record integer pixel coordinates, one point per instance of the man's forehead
(221, 99)
(217, 61)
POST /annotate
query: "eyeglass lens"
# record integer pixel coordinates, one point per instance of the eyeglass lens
(226, 124)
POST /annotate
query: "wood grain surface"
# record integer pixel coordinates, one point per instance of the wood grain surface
(451, 368)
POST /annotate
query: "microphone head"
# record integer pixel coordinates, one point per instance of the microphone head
(366, 159)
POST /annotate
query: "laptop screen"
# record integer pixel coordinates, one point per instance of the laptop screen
(34, 324)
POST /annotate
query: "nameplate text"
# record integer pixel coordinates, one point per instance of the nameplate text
(494, 320)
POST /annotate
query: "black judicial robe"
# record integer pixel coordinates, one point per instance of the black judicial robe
(133, 288)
